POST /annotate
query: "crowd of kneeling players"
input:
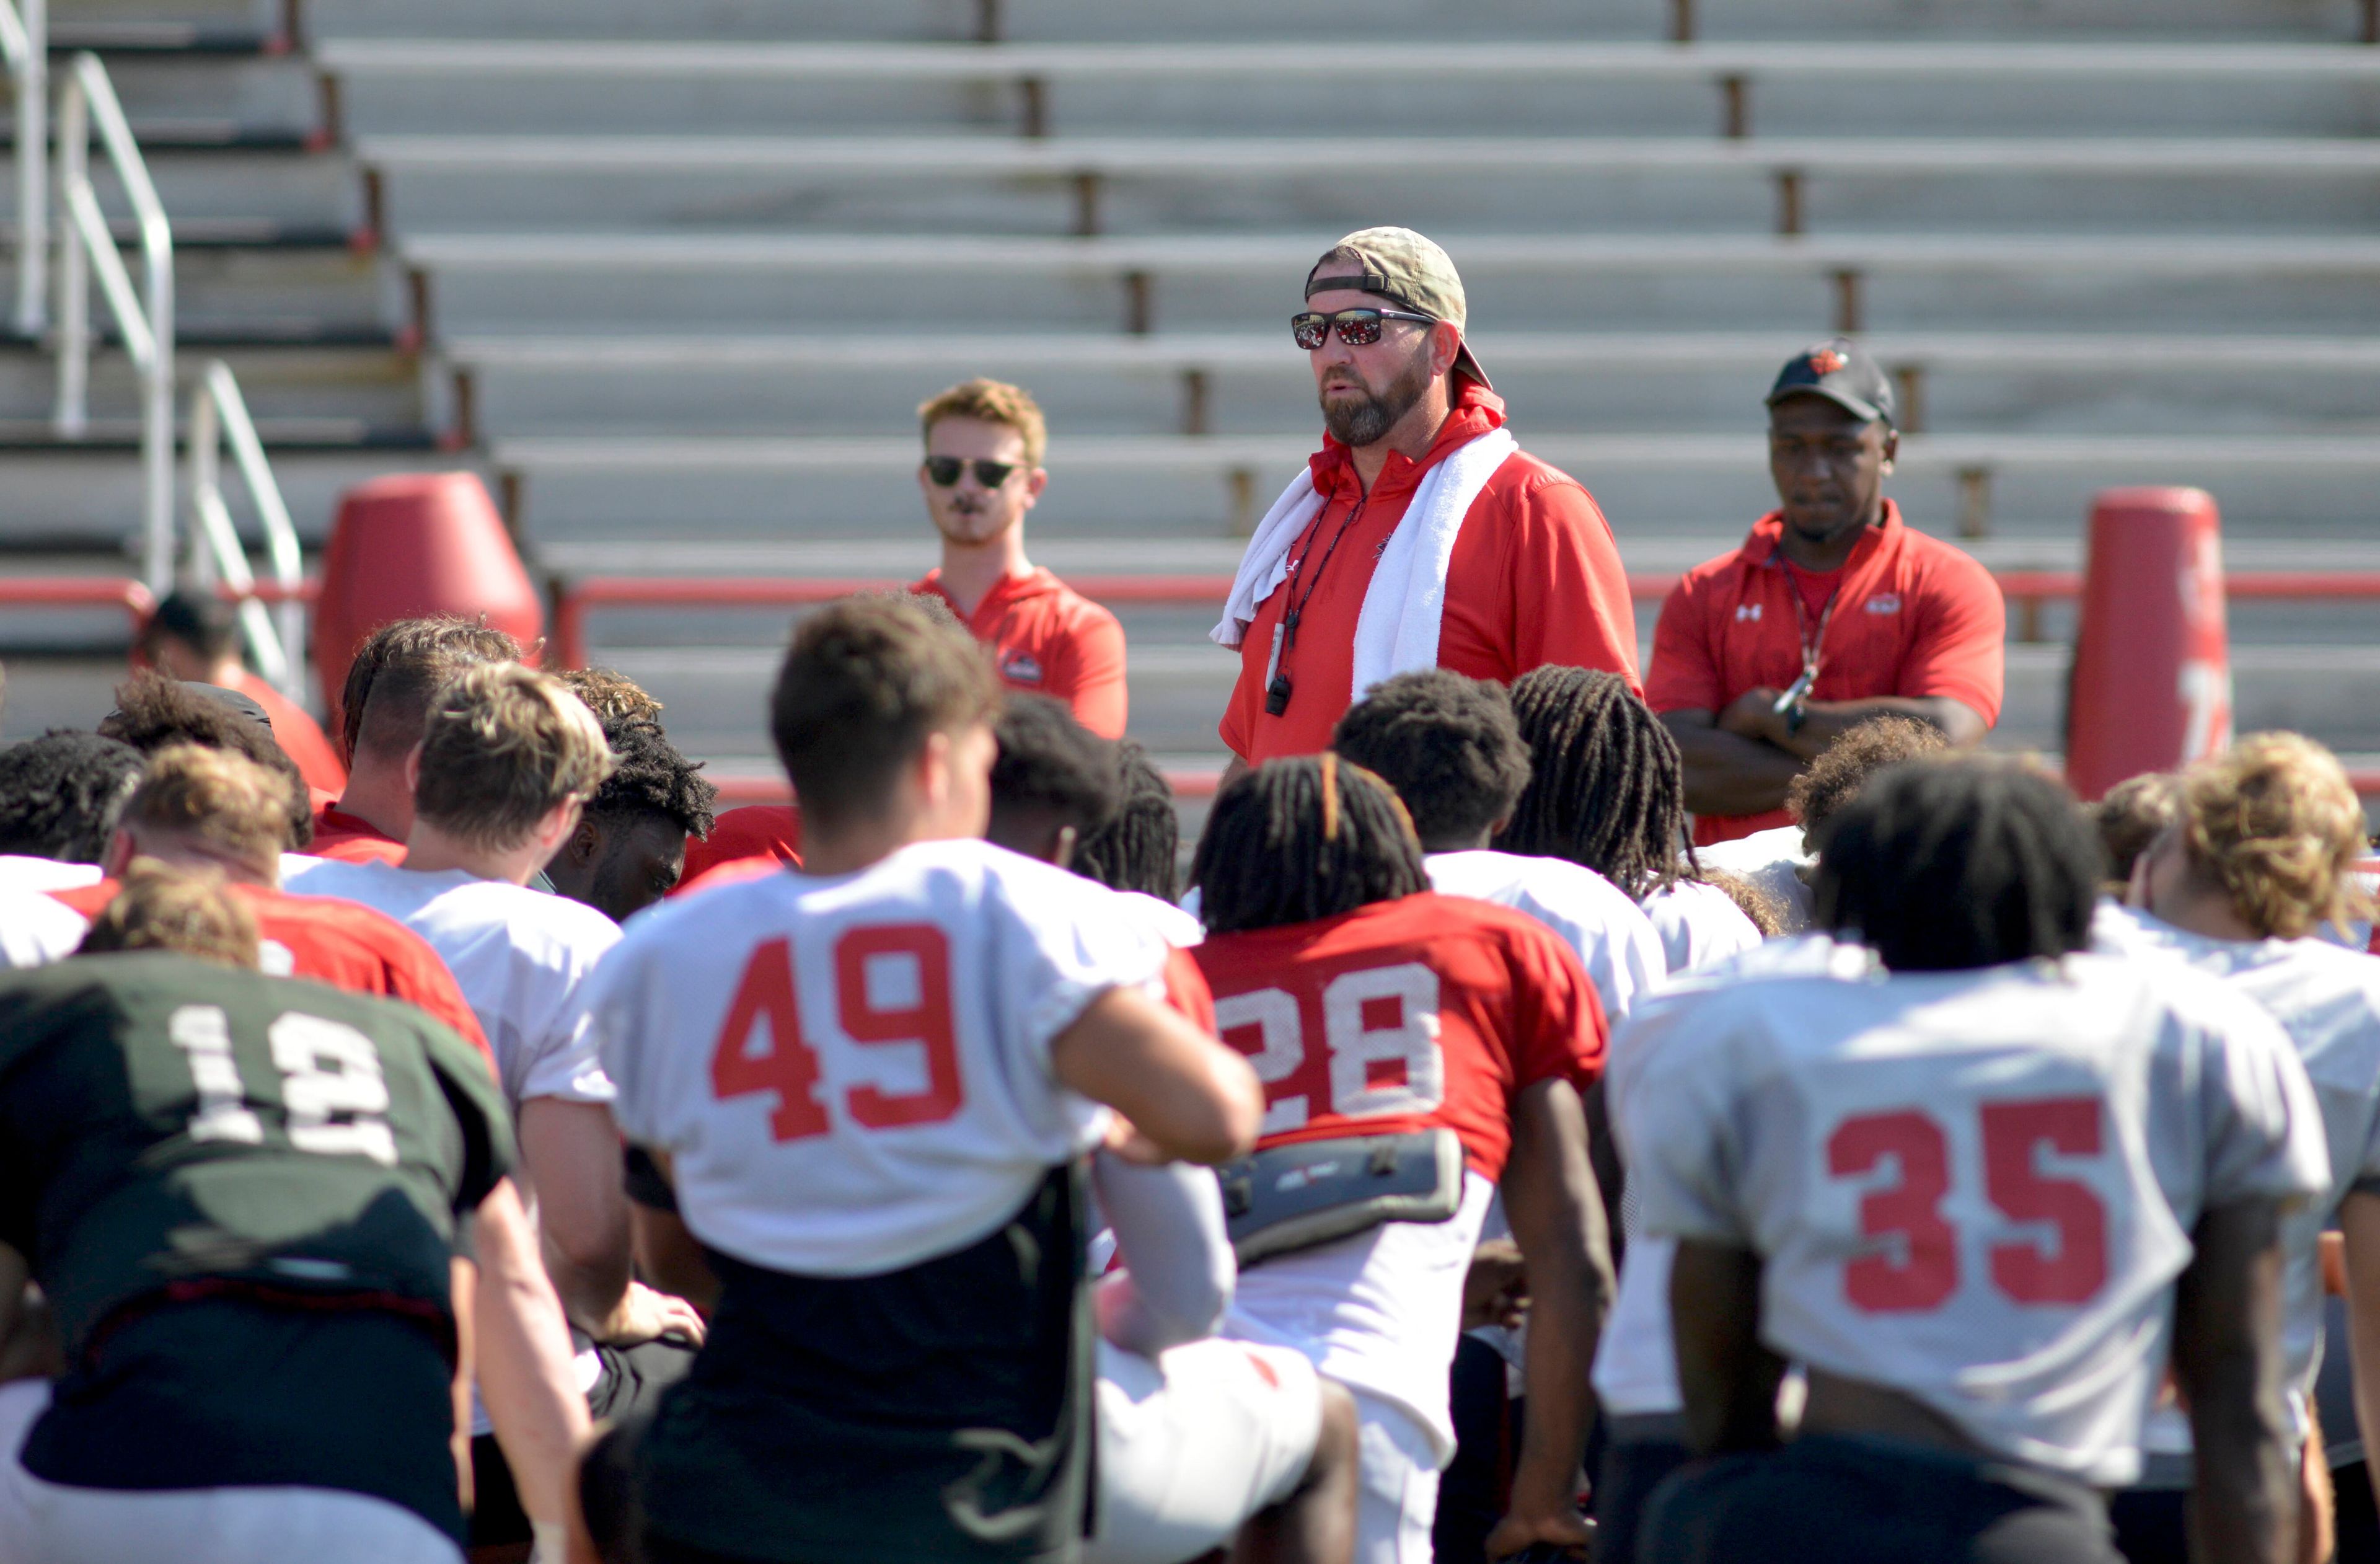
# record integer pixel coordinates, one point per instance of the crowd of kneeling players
(1461, 1167)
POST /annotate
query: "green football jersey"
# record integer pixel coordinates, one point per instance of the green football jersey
(172, 1128)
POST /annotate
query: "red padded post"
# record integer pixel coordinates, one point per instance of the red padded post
(413, 544)
(2152, 679)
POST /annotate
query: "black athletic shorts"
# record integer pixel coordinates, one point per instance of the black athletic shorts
(632, 1381)
(1635, 1465)
(1831, 1498)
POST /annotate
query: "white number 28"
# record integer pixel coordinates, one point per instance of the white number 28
(1359, 1037)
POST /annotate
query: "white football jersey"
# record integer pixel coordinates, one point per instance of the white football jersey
(1975, 1188)
(1176, 926)
(520, 956)
(1773, 861)
(1615, 940)
(21, 871)
(1636, 1365)
(2327, 999)
(1699, 924)
(851, 1073)
(36, 927)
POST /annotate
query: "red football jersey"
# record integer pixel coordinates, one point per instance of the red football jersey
(1424, 1012)
(351, 839)
(344, 945)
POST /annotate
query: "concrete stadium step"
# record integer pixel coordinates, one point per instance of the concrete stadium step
(286, 187)
(616, 486)
(87, 496)
(734, 279)
(2305, 20)
(1472, 88)
(1084, 186)
(217, 99)
(237, 295)
(1251, 382)
(374, 390)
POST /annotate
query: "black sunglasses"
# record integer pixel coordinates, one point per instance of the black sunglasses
(945, 470)
(1357, 328)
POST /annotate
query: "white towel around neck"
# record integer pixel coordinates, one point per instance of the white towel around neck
(1397, 630)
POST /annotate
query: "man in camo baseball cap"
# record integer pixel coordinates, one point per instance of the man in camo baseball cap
(1406, 269)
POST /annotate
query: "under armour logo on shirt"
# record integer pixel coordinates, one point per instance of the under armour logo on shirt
(1746, 610)
(1884, 603)
(1021, 667)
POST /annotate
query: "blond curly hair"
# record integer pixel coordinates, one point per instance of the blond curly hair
(2277, 826)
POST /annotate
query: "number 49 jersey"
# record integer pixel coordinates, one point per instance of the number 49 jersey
(1975, 1188)
(851, 1074)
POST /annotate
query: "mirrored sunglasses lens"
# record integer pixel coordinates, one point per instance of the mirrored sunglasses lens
(943, 470)
(1359, 328)
(1309, 331)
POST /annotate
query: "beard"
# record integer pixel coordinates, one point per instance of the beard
(1366, 417)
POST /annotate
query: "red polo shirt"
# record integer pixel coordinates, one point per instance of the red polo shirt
(1534, 578)
(1913, 616)
(764, 836)
(351, 839)
(1050, 639)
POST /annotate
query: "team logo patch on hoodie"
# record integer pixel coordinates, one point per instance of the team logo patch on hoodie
(1020, 666)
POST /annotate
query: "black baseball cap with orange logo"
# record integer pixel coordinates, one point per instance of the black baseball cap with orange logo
(1838, 372)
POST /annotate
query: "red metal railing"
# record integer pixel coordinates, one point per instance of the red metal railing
(80, 591)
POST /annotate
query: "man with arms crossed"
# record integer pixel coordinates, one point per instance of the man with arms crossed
(1834, 610)
(869, 1082)
(1979, 1194)
(982, 472)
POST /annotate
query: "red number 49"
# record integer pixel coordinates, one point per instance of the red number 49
(765, 1012)
(1924, 1272)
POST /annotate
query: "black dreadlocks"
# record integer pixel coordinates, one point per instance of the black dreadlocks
(1293, 841)
(1447, 744)
(1943, 865)
(1137, 848)
(61, 795)
(650, 777)
(1607, 789)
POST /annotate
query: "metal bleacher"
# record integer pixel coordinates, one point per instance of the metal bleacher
(675, 276)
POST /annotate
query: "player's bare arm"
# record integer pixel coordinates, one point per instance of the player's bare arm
(1727, 1378)
(1754, 715)
(1197, 1101)
(1557, 1215)
(2227, 1363)
(2359, 1222)
(667, 1251)
(28, 1346)
(526, 1375)
(1727, 773)
(571, 1154)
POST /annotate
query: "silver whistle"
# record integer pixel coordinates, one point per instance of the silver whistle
(1796, 692)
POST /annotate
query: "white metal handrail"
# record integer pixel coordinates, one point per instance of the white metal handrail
(219, 417)
(25, 45)
(87, 100)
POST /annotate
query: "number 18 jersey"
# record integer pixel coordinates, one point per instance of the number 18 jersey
(1975, 1188)
(851, 1073)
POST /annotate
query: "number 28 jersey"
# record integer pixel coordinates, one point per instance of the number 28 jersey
(1975, 1188)
(851, 1073)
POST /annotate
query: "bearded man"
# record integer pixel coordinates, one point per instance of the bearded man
(1420, 536)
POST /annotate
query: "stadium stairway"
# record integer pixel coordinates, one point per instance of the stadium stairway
(680, 272)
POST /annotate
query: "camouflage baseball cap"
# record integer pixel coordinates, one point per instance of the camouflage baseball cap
(1404, 268)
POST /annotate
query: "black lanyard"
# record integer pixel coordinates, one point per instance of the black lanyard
(1284, 635)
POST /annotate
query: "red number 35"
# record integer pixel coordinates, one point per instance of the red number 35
(787, 1065)
(1924, 1272)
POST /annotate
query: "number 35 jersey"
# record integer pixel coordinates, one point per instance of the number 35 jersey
(1975, 1188)
(851, 1073)
(1424, 1012)
(167, 1123)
